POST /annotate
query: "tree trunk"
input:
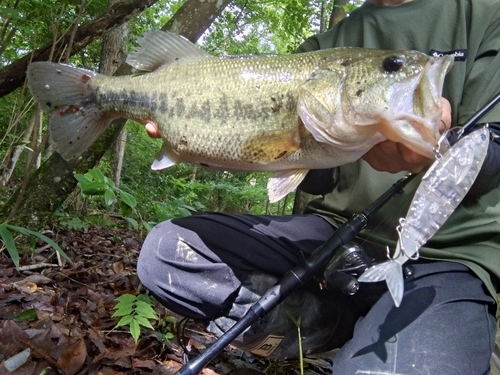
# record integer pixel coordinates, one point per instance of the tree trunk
(322, 20)
(36, 141)
(338, 12)
(194, 17)
(50, 185)
(118, 155)
(113, 54)
(15, 153)
(14, 75)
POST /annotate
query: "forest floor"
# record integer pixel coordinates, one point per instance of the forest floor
(57, 319)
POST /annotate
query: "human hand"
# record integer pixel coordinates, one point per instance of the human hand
(152, 129)
(394, 157)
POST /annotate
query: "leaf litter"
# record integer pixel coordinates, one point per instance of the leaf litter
(59, 319)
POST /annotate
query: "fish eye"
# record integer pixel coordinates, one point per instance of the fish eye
(393, 64)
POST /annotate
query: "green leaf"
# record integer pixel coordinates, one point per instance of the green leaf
(123, 310)
(145, 310)
(293, 319)
(171, 320)
(144, 298)
(95, 174)
(124, 321)
(42, 237)
(143, 322)
(26, 315)
(121, 304)
(128, 199)
(128, 298)
(109, 197)
(93, 188)
(133, 223)
(135, 330)
(81, 178)
(109, 182)
(125, 209)
(8, 241)
(148, 225)
(184, 212)
(168, 336)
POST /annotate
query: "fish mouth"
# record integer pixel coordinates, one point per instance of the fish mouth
(417, 118)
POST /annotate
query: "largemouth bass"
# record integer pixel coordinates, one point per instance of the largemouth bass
(286, 113)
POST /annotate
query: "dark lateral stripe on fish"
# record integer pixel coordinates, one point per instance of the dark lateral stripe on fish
(205, 111)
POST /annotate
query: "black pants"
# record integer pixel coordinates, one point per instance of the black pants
(445, 325)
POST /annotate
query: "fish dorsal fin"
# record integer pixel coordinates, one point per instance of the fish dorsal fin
(158, 48)
(166, 158)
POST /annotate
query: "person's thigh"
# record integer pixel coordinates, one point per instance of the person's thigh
(195, 265)
(444, 326)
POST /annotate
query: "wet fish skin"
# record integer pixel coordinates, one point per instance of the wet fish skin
(242, 113)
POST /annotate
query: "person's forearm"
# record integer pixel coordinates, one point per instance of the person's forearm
(318, 181)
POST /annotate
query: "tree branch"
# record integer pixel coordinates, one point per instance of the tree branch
(14, 75)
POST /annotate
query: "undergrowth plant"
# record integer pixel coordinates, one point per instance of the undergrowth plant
(95, 183)
(135, 311)
(301, 354)
(9, 242)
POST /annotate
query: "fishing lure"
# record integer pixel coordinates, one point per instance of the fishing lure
(441, 190)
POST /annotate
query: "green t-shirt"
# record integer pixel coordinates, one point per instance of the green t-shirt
(470, 29)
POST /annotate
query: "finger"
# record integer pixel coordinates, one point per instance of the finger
(394, 157)
(152, 130)
(446, 115)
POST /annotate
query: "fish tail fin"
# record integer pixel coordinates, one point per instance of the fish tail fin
(392, 273)
(67, 95)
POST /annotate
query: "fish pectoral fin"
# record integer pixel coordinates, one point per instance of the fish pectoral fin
(166, 158)
(283, 182)
(392, 273)
(271, 146)
(159, 47)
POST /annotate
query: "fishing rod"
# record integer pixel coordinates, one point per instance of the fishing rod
(465, 128)
(302, 273)
(296, 277)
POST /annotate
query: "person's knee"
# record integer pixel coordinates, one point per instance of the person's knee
(158, 245)
(174, 267)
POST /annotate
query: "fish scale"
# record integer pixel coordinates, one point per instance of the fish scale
(286, 113)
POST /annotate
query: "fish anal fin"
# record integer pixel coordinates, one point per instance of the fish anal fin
(158, 48)
(271, 146)
(165, 159)
(283, 182)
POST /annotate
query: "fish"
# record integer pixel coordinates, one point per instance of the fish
(281, 113)
(441, 190)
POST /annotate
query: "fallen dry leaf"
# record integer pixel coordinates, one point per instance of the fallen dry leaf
(118, 267)
(73, 358)
(77, 303)
(28, 287)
